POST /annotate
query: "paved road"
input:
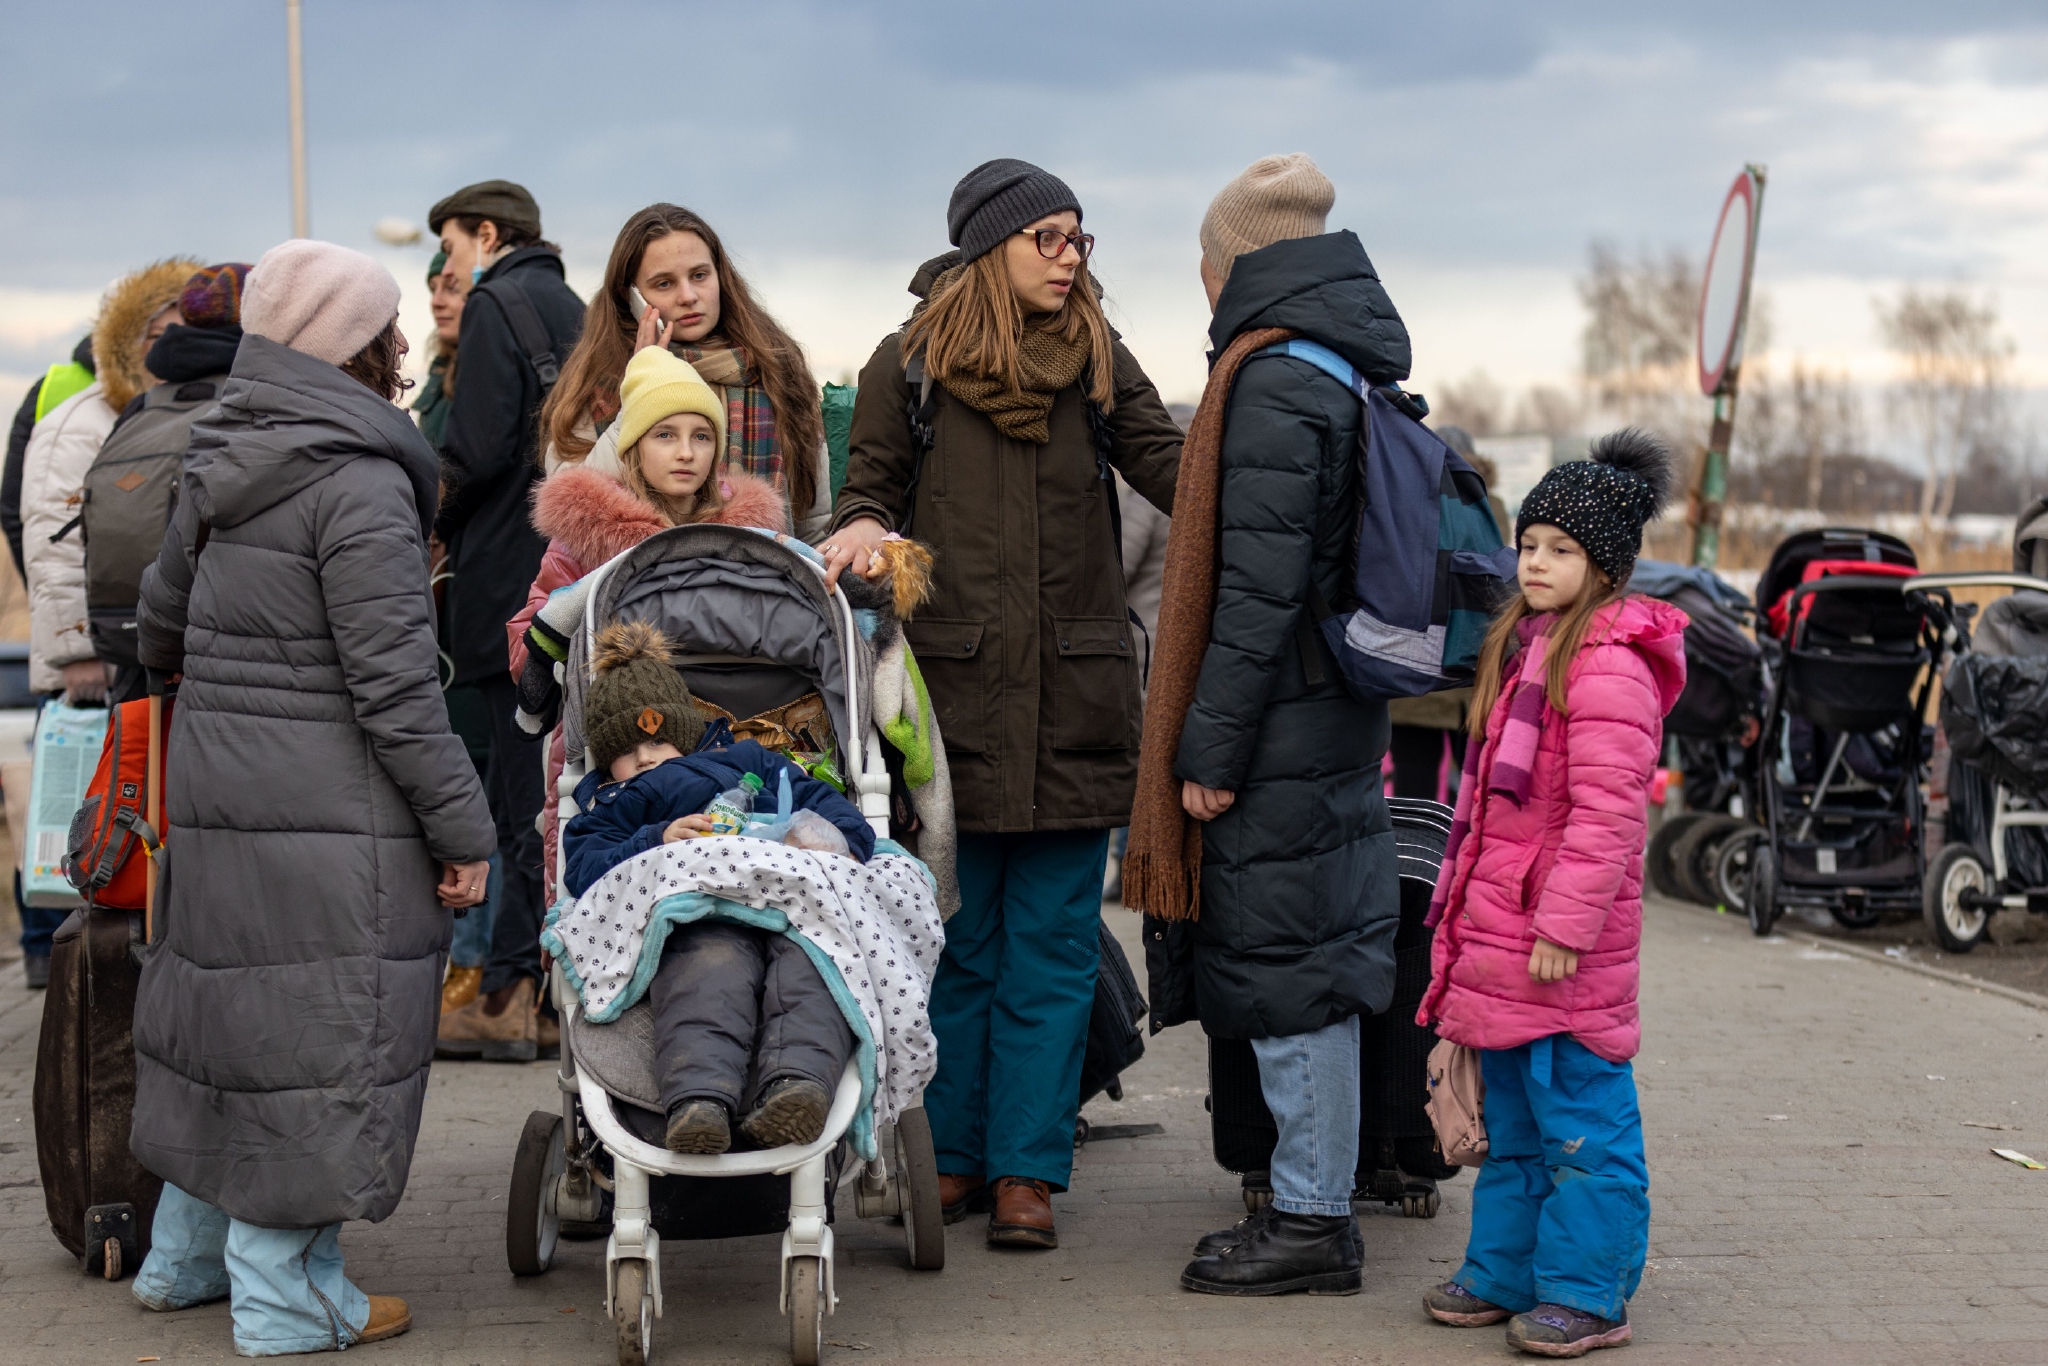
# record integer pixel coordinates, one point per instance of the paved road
(1818, 1198)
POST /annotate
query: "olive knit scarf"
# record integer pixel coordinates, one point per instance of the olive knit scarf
(1163, 866)
(1047, 363)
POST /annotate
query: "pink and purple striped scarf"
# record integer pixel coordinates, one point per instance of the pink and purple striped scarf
(1514, 759)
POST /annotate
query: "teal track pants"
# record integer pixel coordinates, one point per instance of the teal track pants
(1011, 1001)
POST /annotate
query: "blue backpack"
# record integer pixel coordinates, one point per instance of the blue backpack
(1428, 566)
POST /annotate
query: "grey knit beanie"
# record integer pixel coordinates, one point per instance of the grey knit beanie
(1276, 198)
(998, 198)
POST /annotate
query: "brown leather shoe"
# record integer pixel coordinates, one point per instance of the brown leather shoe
(500, 1027)
(1023, 1216)
(388, 1318)
(961, 1196)
(460, 988)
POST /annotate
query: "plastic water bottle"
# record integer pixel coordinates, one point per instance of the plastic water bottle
(729, 809)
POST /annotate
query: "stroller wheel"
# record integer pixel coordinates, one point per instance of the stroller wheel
(1730, 868)
(806, 1311)
(633, 1314)
(1420, 1202)
(1956, 927)
(917, 1167)
(1657, 864)
(1760, 902)
(531, 1225)
(1692, 857)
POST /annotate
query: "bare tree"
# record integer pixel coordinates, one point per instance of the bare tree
(1636, 350)
(1475, 403)
(1550, 410)
(1952, 392)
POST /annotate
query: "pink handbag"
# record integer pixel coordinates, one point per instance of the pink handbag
(1457, 1103)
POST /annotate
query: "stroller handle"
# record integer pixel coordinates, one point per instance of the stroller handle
(1975, 579)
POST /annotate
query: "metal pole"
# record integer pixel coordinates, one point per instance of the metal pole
(1712, 490)
(300, 225)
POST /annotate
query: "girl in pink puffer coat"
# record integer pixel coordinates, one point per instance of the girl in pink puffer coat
(1538, 912)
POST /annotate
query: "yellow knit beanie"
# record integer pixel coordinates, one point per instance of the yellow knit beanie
(1276, 198)
(658, 385)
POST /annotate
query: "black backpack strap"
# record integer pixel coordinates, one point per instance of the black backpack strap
(527, 328)
(921, 408)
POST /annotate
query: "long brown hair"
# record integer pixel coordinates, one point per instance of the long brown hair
(1567, 635)
(975, 326)
(589, 386)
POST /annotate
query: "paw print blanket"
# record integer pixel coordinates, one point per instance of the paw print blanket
(873, 929)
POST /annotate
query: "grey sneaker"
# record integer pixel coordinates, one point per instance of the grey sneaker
(1556, 1330)
(699, 1127)
(1453, 1304)
(792, 1113)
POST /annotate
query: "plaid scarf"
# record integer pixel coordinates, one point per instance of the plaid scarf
(1514, 757)
(751, 440)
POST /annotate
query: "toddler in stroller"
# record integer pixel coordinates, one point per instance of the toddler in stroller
(743, 1023)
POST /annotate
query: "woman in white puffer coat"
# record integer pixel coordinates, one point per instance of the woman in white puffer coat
(62, 448)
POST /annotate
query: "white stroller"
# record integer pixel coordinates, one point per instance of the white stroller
(754, 628)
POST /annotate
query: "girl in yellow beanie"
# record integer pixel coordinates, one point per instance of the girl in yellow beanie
(671, 435)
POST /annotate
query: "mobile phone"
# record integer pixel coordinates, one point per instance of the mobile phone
(637, 302)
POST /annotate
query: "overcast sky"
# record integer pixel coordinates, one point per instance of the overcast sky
(1477, 147)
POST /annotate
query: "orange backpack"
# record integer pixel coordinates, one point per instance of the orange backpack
(123, 810)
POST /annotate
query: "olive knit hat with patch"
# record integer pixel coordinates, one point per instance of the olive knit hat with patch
(637, 695)
(1603, 501)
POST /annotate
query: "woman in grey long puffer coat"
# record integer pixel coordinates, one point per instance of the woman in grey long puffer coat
(286, 1015)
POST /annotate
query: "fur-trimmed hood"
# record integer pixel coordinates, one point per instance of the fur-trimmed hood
(595, 517)
(117, 347)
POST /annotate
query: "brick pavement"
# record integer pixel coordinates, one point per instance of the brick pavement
(1868, 1224)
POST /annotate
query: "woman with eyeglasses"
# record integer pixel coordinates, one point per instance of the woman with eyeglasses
(987, 428)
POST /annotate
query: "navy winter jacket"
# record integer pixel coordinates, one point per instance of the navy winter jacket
(615, 821)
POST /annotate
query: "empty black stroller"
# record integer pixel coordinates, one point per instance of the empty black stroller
(1994, 706)
(1701, 853)
(1398, 1163)
(1845, 740)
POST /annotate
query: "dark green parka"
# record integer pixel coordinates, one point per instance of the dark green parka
(1026, 644)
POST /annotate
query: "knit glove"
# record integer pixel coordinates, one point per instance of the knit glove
(547, 647)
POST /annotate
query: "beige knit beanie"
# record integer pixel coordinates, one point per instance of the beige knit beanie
(1276, 198)
(326, 301)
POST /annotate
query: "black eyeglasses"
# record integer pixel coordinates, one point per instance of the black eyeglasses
(1052, 243)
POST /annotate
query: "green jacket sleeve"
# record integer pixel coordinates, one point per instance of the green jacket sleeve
(1144, 438)
(880, 456)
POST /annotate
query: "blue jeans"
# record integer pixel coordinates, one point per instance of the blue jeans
(471, 947)
(285, 1286)
(1011, 1001)
(1561, 1209)
(1311, 1086)
(38, 923)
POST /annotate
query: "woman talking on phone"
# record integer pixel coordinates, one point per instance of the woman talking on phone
(670, 283)
(1000, 464)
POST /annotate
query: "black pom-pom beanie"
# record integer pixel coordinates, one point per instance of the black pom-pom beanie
(1604, 502)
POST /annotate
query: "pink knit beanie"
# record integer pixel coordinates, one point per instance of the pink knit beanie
(327, 301)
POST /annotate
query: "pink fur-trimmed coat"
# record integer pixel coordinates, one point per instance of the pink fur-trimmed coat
(588, 517)
(1567, 864)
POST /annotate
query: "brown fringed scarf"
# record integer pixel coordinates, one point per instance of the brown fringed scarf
(1163, 866)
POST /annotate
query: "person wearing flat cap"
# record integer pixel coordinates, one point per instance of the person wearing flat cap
(519, 323)
(987, 428)
(284, 1021)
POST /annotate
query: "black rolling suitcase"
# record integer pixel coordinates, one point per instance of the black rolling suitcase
(1115, 1039)
(1397, 1158)
(100, 1199)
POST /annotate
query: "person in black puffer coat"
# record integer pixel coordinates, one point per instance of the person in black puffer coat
(1299, 900)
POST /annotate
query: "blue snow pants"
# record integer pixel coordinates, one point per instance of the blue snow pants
(1561, 1209)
